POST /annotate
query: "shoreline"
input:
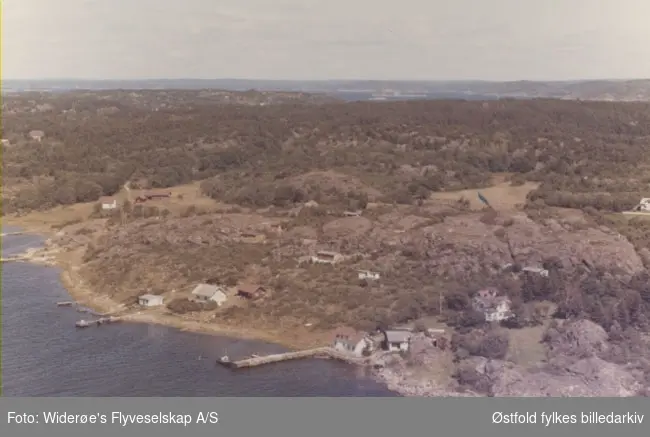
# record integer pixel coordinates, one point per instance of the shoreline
(80, 293)
(75, 286)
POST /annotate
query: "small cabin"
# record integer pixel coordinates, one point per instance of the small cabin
(326, 257)
(250, 291)
(206, 293)
(397, 340)
(36, 135)
(109, 205)
(368, 275)
(150, 300)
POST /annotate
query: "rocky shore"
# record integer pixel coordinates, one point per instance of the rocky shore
(582, 360)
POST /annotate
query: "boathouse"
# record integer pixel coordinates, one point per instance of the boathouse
(205, 293)
(351, 341)
(150, 300)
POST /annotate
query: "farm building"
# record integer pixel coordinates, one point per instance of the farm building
(205, 293)
(250, 291)
(351, 341)
(150, 300)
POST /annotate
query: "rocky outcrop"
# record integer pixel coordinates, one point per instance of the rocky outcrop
(573, 369)
(588, 377)
(471, 244)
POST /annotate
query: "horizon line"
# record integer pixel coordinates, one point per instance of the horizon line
(72, 79)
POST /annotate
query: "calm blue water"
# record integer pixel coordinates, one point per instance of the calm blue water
(44, 355)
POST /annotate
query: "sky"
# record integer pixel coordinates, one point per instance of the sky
(326, 39)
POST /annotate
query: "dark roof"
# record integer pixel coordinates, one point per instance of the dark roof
(327, 253)
(398, 336)
(347, 334)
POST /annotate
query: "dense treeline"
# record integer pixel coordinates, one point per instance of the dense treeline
(580, 151)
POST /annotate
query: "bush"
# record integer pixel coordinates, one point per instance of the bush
(494, 345)
(184, 305)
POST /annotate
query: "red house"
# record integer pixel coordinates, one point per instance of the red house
(250, 291)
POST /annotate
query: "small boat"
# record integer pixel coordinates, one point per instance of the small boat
(82, 324)
(64, 304)
(224, 359)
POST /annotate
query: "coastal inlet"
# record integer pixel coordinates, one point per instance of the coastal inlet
(43, 355)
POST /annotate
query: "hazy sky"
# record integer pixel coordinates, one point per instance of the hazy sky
(326, 39)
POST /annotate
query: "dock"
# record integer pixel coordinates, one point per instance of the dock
(637, 213)
(8, 234)
(96, 322)
(321, 352)
(15, 258)
(66, 304)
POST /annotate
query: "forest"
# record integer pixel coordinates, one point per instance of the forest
(584, 154)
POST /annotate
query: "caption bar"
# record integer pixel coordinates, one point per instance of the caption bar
(323, 417)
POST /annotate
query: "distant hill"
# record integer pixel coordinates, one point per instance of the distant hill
(608, 90)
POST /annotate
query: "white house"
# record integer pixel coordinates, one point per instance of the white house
(367, 274)
(36, 135)
(397, 340)
(644, 205)
(109, 205)
(204, 293)
(348, 340)
(495, 307)
(536, 270)
(150, 300)
(326, 257)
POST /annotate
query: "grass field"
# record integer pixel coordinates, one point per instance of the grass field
(502, 196)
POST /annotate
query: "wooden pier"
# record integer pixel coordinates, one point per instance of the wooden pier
(96, 322)
(8, 234)
(15, 258)
(321, 352)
